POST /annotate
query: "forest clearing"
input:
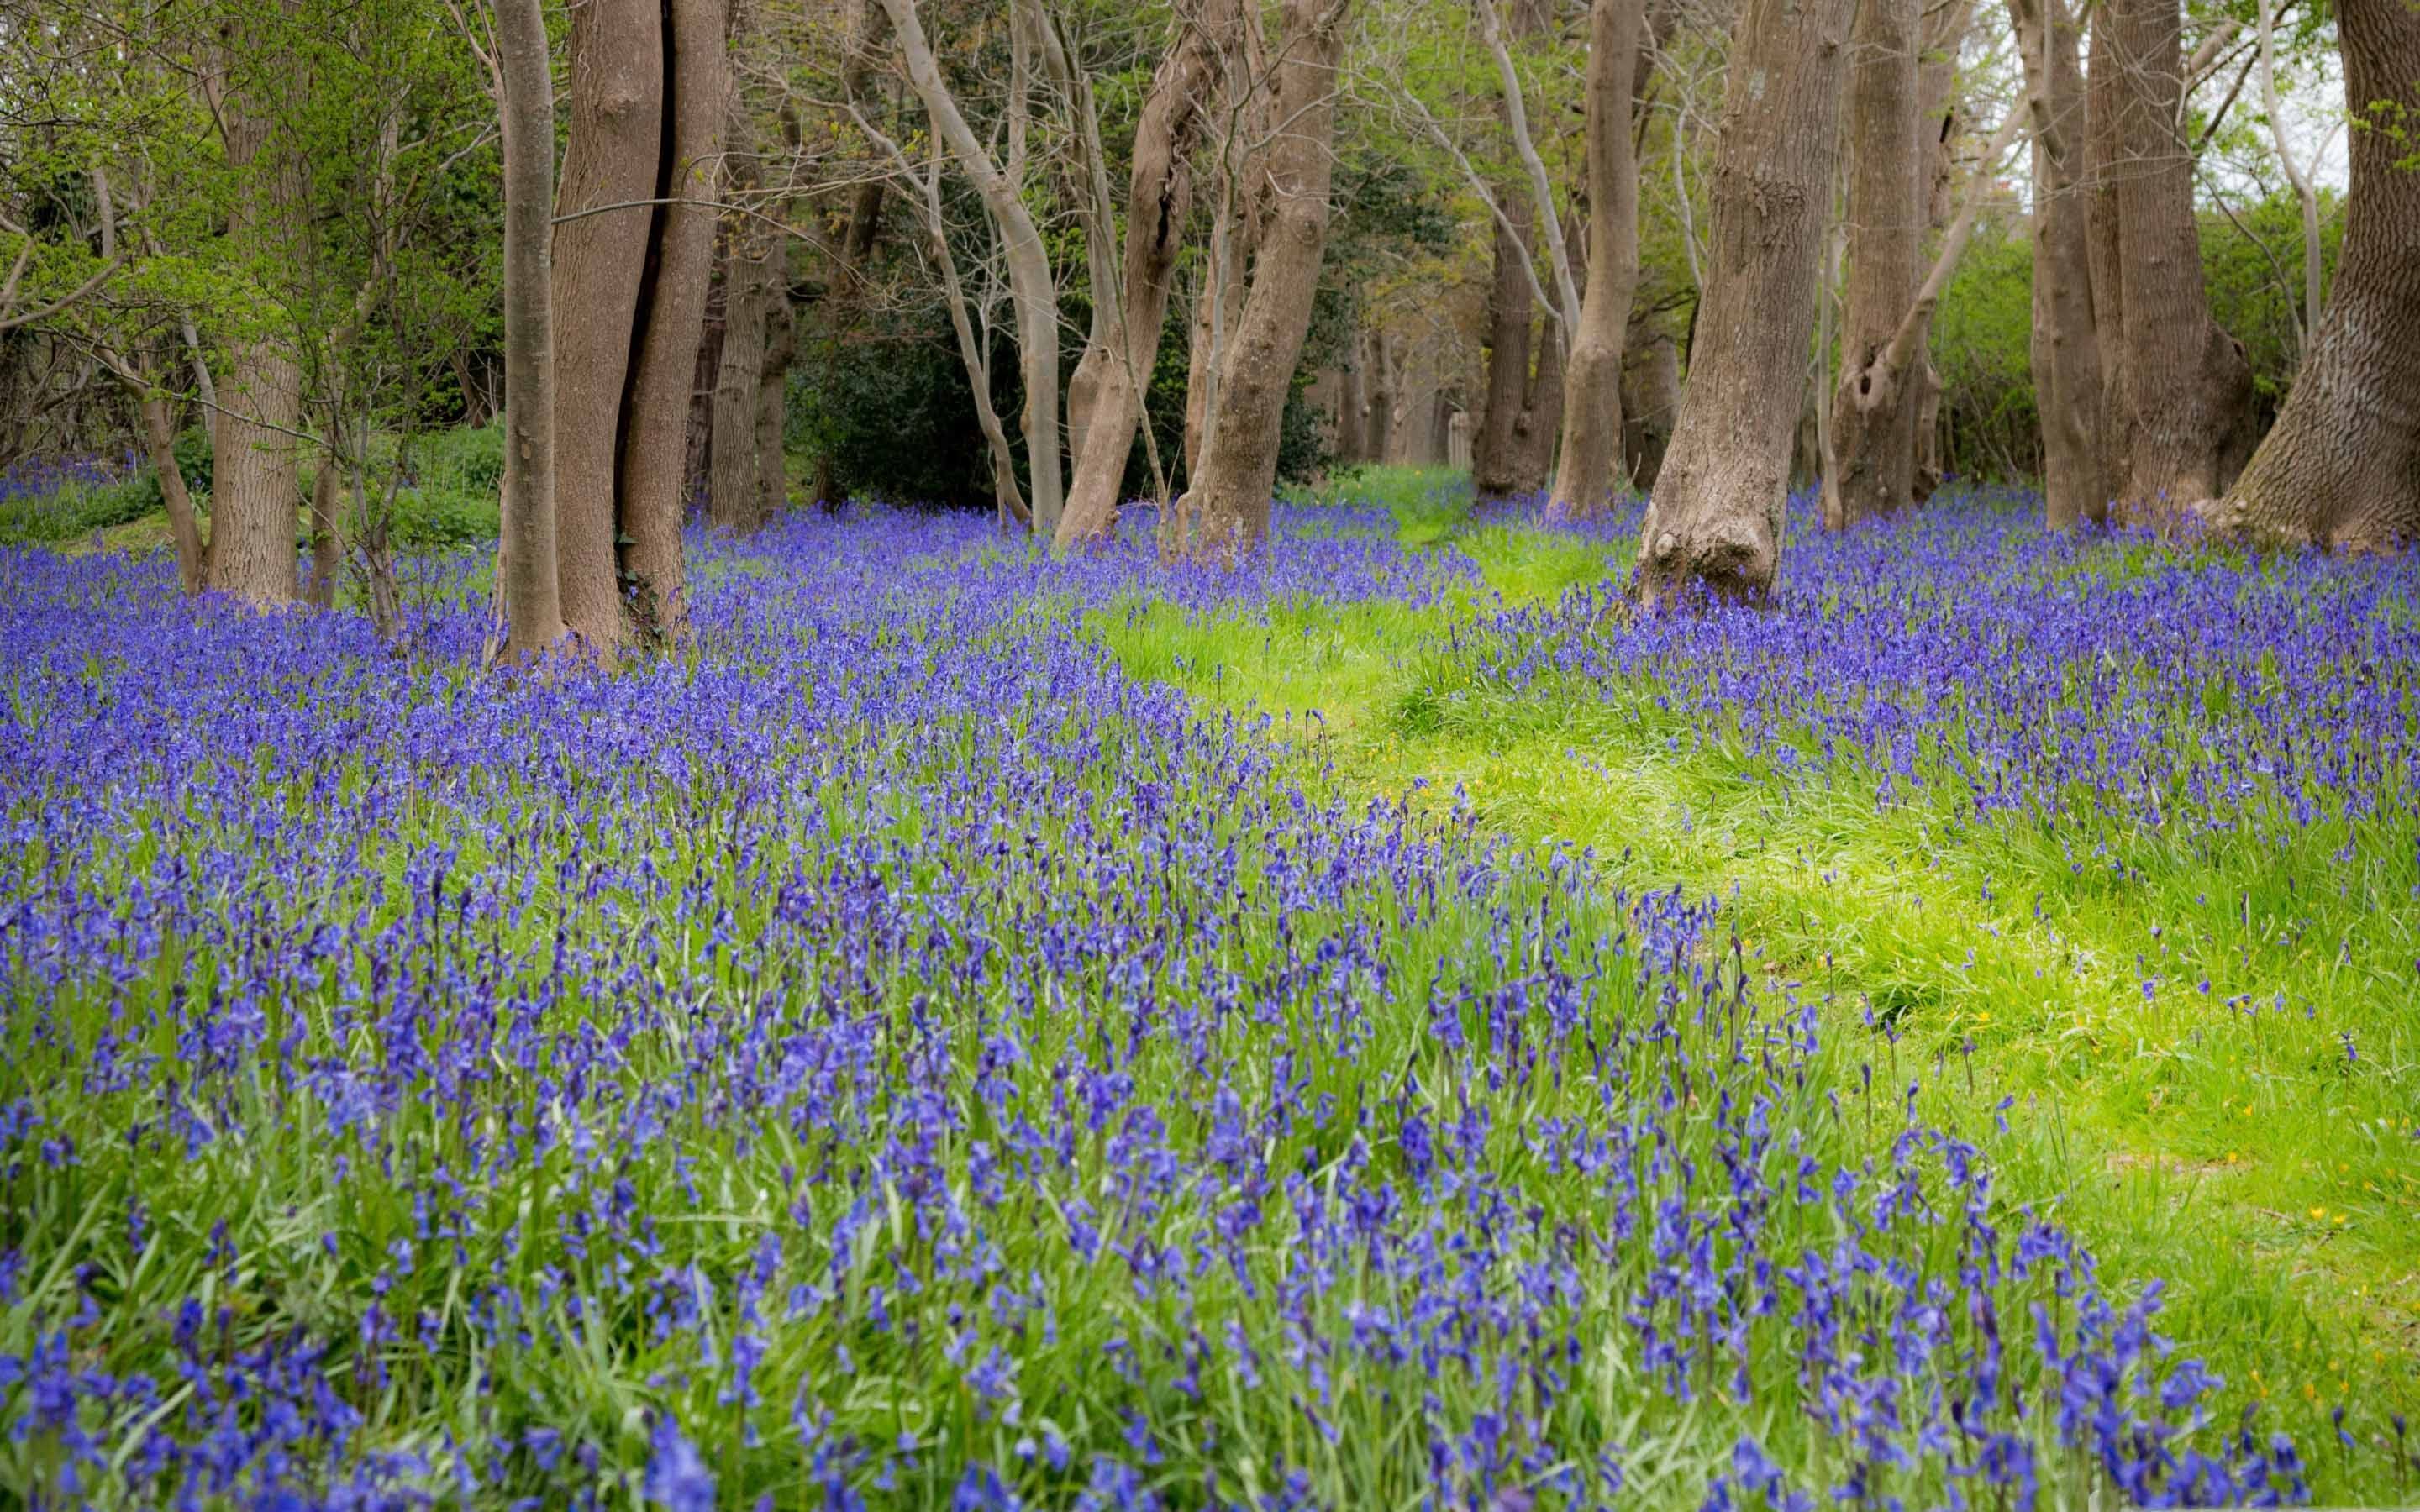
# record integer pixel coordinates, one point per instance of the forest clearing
(1009, 754)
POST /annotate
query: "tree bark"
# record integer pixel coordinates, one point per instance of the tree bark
(2187, 386)
(1872, 465)
(1159, 198)
(1224, 512)
(651, 494)
(1590, 471)
(1385, 386)
(735, 491)
(1352, 407)
(2102, 172)
(773, 407)
(1495, 450)
(256, 489)
(1715, 519)
(2066, 346)
(327, 529)
(600, 261)
(1651, 401)
(2341, 467)
(527, 579)
(160, 446)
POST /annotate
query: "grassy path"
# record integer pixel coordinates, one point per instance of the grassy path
(2264, 1161)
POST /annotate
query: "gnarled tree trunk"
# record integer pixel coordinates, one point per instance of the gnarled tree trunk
(2066, 348)
(1590, 469)
(2186, 387)
(2341, 467)
(1224, 512)
(1872, 465)
(1159, 197)
(1715, 519)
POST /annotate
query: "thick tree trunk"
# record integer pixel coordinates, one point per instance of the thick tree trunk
(1542, 409)
(1651, 401)
(2066, 346)
(600, 261)
(735, 487)
(1590, 470)
(256, 489)
(327, 529)
(773, 407)
(1159, 197)
(1352, 408)
(1873, 414)
(1224, 512)
(1715, 519)
(1495, 449)
(2187, 386)
(2103, 170)
(652, 492)
(1385, 389)
(2341, 467)
(527, 581)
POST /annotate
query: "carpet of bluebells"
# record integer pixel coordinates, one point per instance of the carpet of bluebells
(889, 1056)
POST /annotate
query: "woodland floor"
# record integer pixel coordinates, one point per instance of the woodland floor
(2100, 858)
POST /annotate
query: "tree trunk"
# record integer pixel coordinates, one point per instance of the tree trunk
(600, 262)
(1542, 409)
(2066, 348)
(159, 444)
(1590, 470)
(1352, 407)
(327, 529)
(1224, 512)
(669, 319)
(1385, 384)
(1495, 450)
(1159, 197)
(735, 491)
(773, 408)
(1872, 459)
(1715, 519)
(527, 581)
(1651, 401)
(2187, 387)
(254, 482)
(2341, 467)
(2103, 170)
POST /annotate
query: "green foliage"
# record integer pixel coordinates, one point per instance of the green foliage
(2256, 281)
(1981, 345)
(76, 509)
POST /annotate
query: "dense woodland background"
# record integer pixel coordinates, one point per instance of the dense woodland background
(272, 230)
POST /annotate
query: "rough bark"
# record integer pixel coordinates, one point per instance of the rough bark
(1159, 198)
(1542, 409)
(772, 407)
(735, 489)
(2187, 387)
(735, 474)
(1224, 512)
(2101, 172)
(160, 446)
(600, 261)
(1715, 522)
(1871, 472)
(327, 531)
(1352, 408)
(1030, 289)
(1651, 401)
(255, 487)
(651, 495)
(2066, 342)
(2341, 467)
(1384, 388)
(1590, 470)
(1235, 226)
(527, 579)
(1496, 461)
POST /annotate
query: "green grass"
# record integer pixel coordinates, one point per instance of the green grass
(2245, 1160)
